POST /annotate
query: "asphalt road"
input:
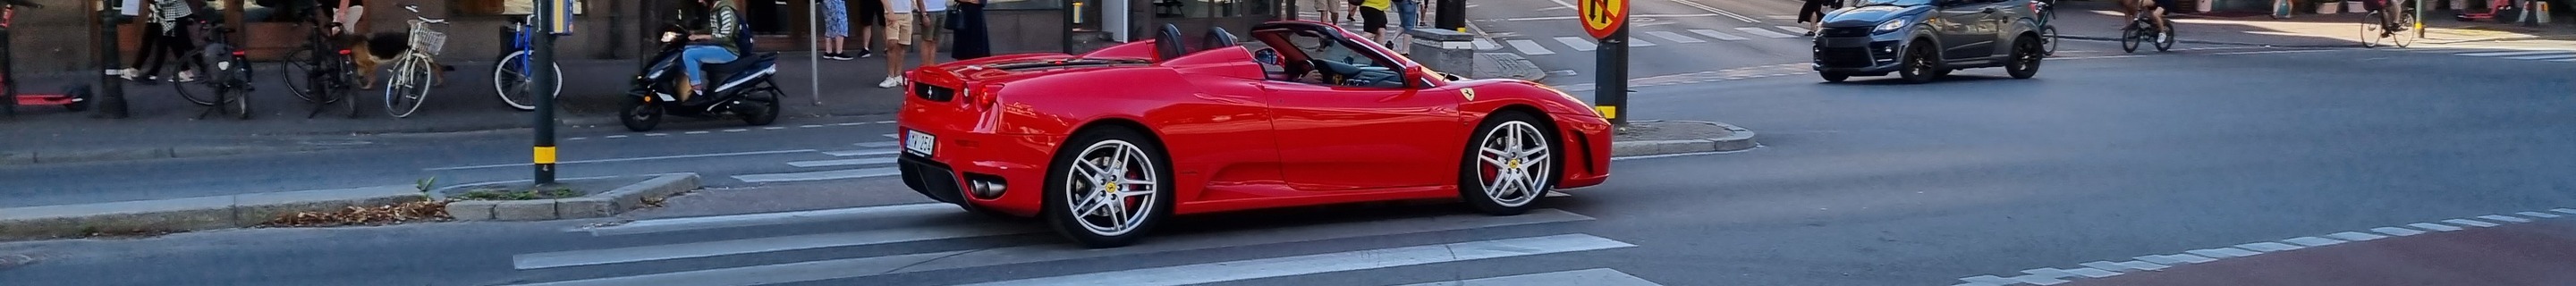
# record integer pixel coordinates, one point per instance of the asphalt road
(2103, 157)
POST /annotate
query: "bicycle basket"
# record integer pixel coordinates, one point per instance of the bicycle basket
(427, 41)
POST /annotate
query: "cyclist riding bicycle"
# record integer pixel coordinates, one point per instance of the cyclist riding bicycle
(2390, 26)
(2158, 9)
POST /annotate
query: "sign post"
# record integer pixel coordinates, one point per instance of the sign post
(1607, 20)
(554, 17)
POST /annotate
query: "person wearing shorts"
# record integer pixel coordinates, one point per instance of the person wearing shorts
(836, 29)
(1373, 18)
(914, 24)
(1408, 13)
(1813, 13)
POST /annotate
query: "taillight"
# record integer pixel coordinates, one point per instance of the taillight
(344, 52)
(981, 97)
(240, 53)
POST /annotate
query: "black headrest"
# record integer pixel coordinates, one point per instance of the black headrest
(1168, 45)
(1218, 38)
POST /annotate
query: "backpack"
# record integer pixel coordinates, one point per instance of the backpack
(742, 37)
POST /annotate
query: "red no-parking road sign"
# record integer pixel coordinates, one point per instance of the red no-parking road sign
(1602, 17)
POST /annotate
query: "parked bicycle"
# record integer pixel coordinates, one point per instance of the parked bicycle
(321, 72)
(2375, 26)
(229, 74)
(511, 75)
(413, 70)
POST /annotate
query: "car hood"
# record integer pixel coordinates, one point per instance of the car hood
(1872, 15)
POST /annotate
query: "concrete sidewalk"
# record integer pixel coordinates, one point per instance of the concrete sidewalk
(161, 125)
(2101, 20)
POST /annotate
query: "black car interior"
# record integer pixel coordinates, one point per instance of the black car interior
(1308, 54)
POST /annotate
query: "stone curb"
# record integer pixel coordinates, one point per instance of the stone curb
(1741, 139)
(190, 214)
(16, 158)
(2206, 42)
(598, 205)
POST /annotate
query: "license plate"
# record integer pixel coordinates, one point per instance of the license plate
(919, 143)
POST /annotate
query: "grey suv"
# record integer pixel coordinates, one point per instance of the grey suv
(1925, 39)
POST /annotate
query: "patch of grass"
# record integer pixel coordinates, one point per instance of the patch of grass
(495, 194)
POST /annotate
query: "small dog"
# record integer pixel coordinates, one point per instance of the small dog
(369, 51)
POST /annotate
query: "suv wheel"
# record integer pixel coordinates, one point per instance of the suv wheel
(2026, 53)
(1921, 63)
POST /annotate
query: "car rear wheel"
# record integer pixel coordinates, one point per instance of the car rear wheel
(2025, 57)
(1512, 164)
(1921, 64)
(1111, 190)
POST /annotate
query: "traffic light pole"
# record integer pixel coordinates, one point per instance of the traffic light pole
(544, 56)
(111, 92)
(1610, 83)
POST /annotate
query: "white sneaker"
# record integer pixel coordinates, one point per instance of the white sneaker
(891, 82)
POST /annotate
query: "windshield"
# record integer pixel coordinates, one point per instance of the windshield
(1895, 2)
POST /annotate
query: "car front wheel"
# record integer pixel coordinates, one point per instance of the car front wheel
(2025, 57)
(1512, 165)
(1109, 191)
(1921, 63)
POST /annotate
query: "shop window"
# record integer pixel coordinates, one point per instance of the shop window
(1210, 8)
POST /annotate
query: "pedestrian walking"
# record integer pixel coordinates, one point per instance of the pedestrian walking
(869, 17)
(1408, 14)
(1373, 18)
(165, 38)
(836, 29)
(1813, 13)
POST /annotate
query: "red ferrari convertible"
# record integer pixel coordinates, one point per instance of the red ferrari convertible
(1105, 145)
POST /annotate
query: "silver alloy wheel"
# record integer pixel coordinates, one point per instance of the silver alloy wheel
(1515, 167)
(1111, 188)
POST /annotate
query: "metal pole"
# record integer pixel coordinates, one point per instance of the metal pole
(9, 97)
(2419, 18)
(1612, 81)
(1071, 9)
(111, 91)
(544, 56)
(814, 30)
(1450, 15)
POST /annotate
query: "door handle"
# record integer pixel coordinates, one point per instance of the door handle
(1988, 10)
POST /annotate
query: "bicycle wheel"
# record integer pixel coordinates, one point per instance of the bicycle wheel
(511, 79)
(2169, 37)
(2048, 38)
(2405, 38)
(2129, 37)
(403, 93)
(2371, 29)
(297, 73)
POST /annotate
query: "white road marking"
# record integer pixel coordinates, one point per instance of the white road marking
(2276, 52)
(884, 122)
(2222, 252)
(616, 136)
(1528, 47)
(1792, 29)
(694, 132)
(760, 245)
(1636, 42)
(891, 135)
(576, 138)
(818, 175)
(2036, 279)
(2504, 218)
(808, 126)
(2118, 266)
(849, 124)
(2312, 241)
(1719, 36)
(736, 130)
(1739, 17)
(776, 218)
(877, 144)
(1579, 44)
(2470, 222)
(2396, 231)
(2508, 53)
(884, 265)
(2091, 272)
(772, 128)
(842, 162)
(1675, 37)
(2544, 57)
(2434, 227)
(2564, 211)
(868, 152)
(630, 159)
(2566, 60)
(2355, 236)
(1764, 33)
(2537, 214)
(657, 134)
(1483, 44)
(1333, 262)
(1595, 276)
(2268, 246)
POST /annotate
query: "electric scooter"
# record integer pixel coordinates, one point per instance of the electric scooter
(742, 87)
(75, 97)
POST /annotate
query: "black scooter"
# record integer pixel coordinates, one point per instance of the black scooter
(743, 87)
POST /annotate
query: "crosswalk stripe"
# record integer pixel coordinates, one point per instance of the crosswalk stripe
(776, 218)
(878, 144)
(2566, 60)
(885, 265)
(870, 152)
(1595, 276)
(1764, 33)
(1675, 37)
(1720, 36)
(842, 162)
(1792, 29)
(1636, 42)
(2508, 53)
(891, 135)
(817, 175)
(1483, 44)
(2545, 57)
(1579, 44)
(1528, 47)
(1333, 262)
(760, 245)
